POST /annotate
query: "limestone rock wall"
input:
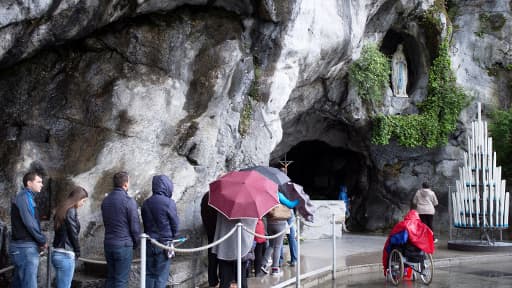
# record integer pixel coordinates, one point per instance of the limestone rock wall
(193, 89)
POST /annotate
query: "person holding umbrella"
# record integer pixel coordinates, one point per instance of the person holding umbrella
(239, 197)
(226, 254)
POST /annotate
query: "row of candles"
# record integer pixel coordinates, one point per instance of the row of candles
(480, 199)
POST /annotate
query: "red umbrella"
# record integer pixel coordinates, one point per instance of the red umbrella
(243, 194)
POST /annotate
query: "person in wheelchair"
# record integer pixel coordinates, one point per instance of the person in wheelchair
(411, 237)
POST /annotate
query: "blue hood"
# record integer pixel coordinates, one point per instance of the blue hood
(162, 185)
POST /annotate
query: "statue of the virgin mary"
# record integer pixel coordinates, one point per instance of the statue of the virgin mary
(399, 73)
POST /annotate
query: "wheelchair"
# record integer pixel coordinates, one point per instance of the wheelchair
(404, 256)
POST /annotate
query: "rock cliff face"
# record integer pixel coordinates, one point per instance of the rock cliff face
(193, 89)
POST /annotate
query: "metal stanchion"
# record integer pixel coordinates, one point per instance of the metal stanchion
(49, 268)
(297, 267)
(334, 246)
(239, 256)
(143, 238)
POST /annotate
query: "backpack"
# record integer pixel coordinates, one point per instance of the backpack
(280, 212)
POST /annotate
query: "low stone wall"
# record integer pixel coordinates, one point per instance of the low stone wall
(322, 227)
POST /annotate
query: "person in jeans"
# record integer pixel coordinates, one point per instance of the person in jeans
(26, 236)
(292, 242)
(66, 247)
(122, 231)
(160, 219)
(275, 226)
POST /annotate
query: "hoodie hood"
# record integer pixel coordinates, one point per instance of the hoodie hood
(425, 192)
(162, 185)
(412, 215)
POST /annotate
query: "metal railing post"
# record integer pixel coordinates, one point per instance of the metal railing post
(143, 238)
(297, 267)
(334, 246)
(239, 256)
(49, 268)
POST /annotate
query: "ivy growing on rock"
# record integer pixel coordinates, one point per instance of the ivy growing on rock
(370, 73)
(438, 113)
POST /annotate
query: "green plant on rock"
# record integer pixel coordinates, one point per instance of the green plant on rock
(245, 118)
(438, 113)
(501, 130)
(490, 23)
(370, 73)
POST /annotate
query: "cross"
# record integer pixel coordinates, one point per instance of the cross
(285, 164)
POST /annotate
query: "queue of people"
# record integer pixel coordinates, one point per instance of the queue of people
(122, 235)
(122, 232)
(265, 256)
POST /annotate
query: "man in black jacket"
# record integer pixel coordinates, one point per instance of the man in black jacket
(161, 222)
(26, 238)
(122, 231)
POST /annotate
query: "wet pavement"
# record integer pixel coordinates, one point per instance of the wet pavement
(468, 275)
(361, 254)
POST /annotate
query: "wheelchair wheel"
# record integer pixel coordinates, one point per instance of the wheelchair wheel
(427, 269)
(395, 267)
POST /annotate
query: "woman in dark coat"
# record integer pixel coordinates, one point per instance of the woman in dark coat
(66, 247)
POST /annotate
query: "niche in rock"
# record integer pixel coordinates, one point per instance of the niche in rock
(321, 168)
(413, 54)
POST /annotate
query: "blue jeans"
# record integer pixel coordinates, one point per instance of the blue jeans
(64, 264)
(157, 267)
(119, 261)
(292, 242)
(26, 263)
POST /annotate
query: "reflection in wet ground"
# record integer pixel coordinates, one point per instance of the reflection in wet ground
(475, 275)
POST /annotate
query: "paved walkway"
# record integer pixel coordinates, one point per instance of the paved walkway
(358, 254)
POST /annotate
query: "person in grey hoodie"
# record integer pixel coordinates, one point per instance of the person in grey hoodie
(425, 200)
(160, 218)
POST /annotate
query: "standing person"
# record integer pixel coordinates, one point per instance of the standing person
(122, 231)
(160, 218)
(425, 201)
(343, 196)
(275, 226)
(226, 252)
(292, 240)
(26, 236)
(66, 247)
(209, 219)
(259, 249)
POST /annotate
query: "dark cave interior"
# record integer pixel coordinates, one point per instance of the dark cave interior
(321, 168)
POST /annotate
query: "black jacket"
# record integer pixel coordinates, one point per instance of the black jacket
(121, 219)
(26, 228)
(66, 236)
(159, 212)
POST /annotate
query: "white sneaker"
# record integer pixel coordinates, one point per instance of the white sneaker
(264, 268)
(435, 240)
(276, 271)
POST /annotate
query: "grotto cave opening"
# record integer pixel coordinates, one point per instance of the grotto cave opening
(321, 168)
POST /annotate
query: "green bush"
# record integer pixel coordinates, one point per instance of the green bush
(500, 129)
(370, 74)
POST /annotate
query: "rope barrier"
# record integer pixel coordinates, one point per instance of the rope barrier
(191, 250)
(267, 237)
(6, 269)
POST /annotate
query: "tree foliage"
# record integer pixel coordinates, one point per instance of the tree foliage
(500, 129)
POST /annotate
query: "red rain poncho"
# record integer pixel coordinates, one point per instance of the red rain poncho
(419, 235)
